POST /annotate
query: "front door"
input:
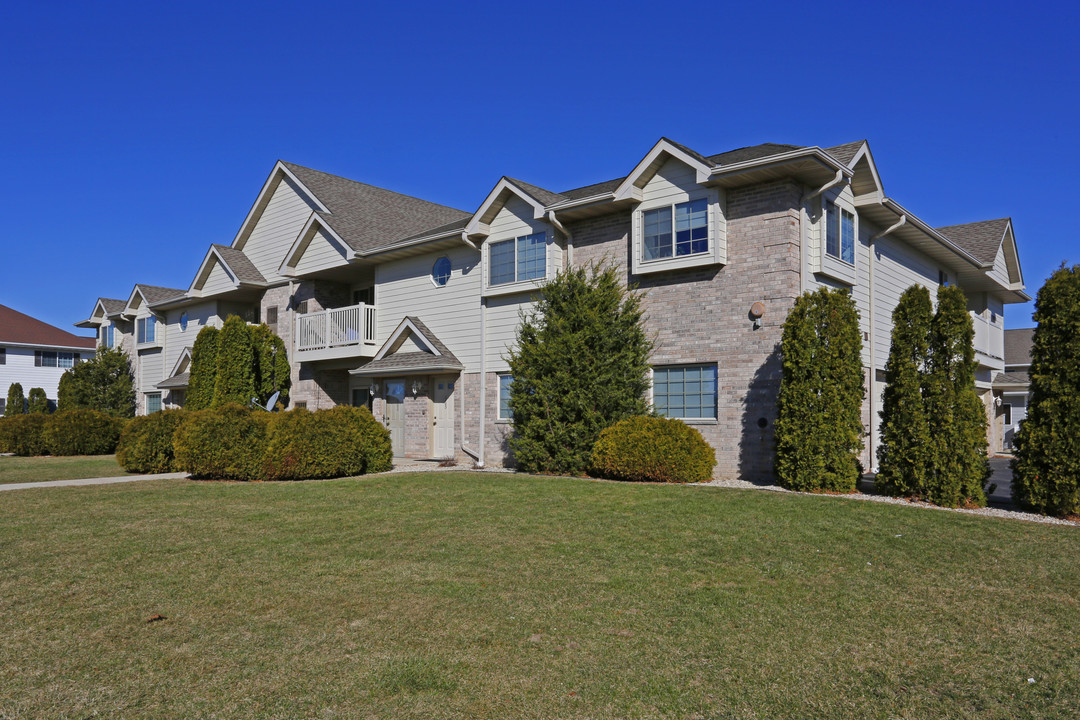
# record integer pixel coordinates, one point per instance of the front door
(442, 417)
(395, 415)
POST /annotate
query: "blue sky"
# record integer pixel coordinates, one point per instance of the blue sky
(136, 134)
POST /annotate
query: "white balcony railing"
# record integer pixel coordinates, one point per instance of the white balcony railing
(336, 327)
(989, 338)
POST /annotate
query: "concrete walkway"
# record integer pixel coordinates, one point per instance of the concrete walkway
(92, 481)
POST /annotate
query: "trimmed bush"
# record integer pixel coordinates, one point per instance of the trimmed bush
(819, 426)
(339, 442)
(226, 443)
(104, 382)
(203, 369)
(24, 435)
(82, 432)
(16, 401)
(146, 444)
(652, 449)
(37, 401)
(272, 371)
(235, 381)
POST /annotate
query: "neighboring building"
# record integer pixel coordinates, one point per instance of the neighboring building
(1013, 384)
(35, 354)
(411, 307)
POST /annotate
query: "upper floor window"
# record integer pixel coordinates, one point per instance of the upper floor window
(440, 272)
(3, 356)
(183, 322)
(839, 232)
(691, 230)
(51, 358)
(146, 329)
(517, 260)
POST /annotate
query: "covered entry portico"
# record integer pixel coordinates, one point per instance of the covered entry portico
(413, 385)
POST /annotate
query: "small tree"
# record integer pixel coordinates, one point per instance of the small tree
(38, 401)
(581, 365)
(957, 466)
(904, 452)
(16, 401)
(272, 371)
(235, 380)
(202, 373)
(1047, 465)
(818, 426)
(104, 382)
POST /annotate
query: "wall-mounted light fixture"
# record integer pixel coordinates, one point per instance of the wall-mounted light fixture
(756, 311)
(373, 389)
(417, 386)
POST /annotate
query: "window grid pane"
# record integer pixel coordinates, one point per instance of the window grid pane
(832, 230)
(532, 256)
(847, 236)
(685, 392)
(691, 227)
(65, 360)
(502, 263)
(153, 403)
(504, 397)
(657, 233)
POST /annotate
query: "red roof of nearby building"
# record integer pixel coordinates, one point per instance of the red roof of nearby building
(16, 327)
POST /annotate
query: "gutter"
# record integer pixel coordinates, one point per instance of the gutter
(566, 234)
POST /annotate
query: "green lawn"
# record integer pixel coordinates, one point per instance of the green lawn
(39, 469)
(495, 596)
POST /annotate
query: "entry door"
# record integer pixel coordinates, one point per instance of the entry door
(442, 416)
(395, 415)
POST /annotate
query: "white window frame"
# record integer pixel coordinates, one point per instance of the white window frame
(716, 238)
(509, 417)
(517, 282)
(824, 262)
(146, 405)
(842, 209)
(140, 331)
(449, 273)
(684, 366)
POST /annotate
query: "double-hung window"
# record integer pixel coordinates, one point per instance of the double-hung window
(685, 391)
(517, 260)
(146, 329)
(44, 358)
(839, 232)
(676, 230)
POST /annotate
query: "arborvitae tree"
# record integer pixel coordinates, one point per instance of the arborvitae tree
(272, 371)
(958, 465)
(202, 372)
(104, 382)
(904, 452)
(37, 401)
(235, 381)
(65, 392)
(1047, 466)
(818, 426)
(581, 365)
(16, 401)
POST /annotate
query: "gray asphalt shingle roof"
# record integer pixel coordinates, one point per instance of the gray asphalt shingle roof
(240, 264)
(112, 305)
(369, 218)
(175, 382)
(1018, 346)
(1011, 378)
(844, 153)
(154, 294)
(980, 239)
(416, 360)
(544, 196)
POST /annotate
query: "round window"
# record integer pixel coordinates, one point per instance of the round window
(183, 322)
(440, 271)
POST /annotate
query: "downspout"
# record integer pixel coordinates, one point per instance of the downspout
(873, 366)
(566, 234)
(476, 456)
(803, 213)
(483, 379)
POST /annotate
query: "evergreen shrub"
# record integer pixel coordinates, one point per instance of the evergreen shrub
(16, 401)
(82, 432)
(235, 380)
(652, 449)
(104, 383)
(1046, 471)
(226, 443)
(146, 444)
(203, 369)
(37, 401)
(338, 442)
(24, 435)
(819, 407)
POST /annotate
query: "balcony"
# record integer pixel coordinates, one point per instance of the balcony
(336, 333)
(989, 340)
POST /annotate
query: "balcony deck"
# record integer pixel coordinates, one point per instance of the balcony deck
(336, 333)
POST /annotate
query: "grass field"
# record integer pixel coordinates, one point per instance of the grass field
(494, 596)
(39, 469)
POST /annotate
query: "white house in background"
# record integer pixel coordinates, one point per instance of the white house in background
(1013, 384)
(35, 354)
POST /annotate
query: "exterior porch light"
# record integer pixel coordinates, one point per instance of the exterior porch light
(417, 386)
(373, 389)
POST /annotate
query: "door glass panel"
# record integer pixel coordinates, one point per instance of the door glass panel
(395, 390)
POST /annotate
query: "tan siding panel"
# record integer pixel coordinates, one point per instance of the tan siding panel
(277, 228)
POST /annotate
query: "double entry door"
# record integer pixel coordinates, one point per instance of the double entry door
(440, 438)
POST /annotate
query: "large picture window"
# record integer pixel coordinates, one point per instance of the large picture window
(685, 391)
(517, 260)
(691, 230)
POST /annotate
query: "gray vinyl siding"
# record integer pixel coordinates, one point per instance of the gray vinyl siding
(320, 254)
(503, 318)
(277, 228)
(1001, 268)
(219, 280)
(452, 312)
(513, 220)
(176, 340)
(19, 368)
(151, 370)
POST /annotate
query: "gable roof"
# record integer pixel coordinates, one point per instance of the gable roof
(112, 306)
(846, 153)
(366, 217)
(1018, 346)
(21, 329)
(154, 294)
(387, 363)
(981, 239)
(236, 264)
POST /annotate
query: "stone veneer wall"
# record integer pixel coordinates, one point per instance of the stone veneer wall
(701, 315)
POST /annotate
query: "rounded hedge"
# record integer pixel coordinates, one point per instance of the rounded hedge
(146, 445)
(652, 449)
(81, 432)
(24, 434)
(226, 443)
(338, 442)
